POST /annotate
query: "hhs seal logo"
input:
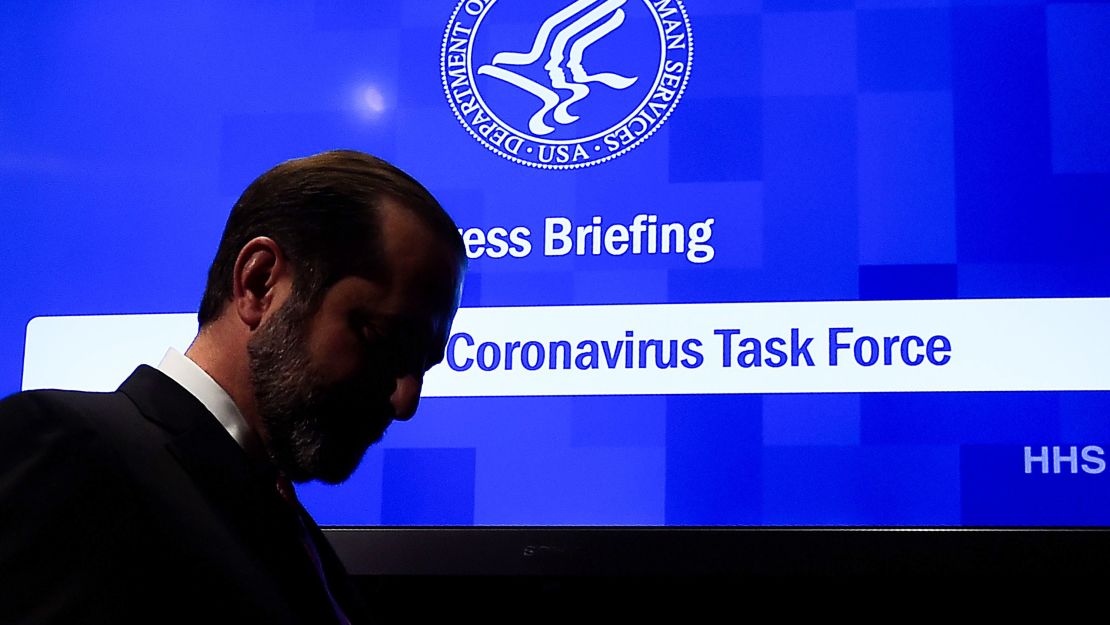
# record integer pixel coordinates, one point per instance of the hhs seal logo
(562, 84)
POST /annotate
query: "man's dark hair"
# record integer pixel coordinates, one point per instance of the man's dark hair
(324, 213)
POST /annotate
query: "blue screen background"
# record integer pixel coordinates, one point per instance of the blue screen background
(866, 150)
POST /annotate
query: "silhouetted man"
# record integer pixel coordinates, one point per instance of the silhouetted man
(331, 294)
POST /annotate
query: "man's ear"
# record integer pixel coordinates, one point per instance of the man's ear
(260, 281)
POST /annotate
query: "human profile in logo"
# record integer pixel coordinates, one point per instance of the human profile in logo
(568, 83)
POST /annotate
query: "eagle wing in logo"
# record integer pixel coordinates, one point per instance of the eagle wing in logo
(556, 57)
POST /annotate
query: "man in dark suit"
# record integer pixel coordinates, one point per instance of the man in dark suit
(332, 292)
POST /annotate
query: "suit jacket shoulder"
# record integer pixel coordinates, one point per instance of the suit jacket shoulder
(61, 487)
(137, 506)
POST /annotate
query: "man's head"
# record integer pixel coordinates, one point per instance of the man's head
(332, 292)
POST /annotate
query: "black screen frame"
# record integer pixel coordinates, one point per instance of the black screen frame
(719, 551)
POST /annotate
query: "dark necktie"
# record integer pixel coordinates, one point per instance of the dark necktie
(285, 489)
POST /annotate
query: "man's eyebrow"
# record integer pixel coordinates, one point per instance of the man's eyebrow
(411, 327)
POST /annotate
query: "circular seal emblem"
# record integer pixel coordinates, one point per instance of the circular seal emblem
(563, 84)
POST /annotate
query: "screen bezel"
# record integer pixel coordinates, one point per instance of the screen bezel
(718, 551)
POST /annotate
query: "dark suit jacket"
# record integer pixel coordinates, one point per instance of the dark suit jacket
(137, 506)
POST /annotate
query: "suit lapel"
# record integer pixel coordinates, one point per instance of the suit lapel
(234, 481)
(240, 489)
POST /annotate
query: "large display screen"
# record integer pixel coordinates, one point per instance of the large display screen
(733, 262)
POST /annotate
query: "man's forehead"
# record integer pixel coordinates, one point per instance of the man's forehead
(409, 295)
(415, 254)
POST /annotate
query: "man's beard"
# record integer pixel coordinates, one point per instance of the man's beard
(314, 430)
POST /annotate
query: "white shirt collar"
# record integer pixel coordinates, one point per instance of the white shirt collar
(195, 380)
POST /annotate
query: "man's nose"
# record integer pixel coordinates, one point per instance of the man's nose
(406, 396)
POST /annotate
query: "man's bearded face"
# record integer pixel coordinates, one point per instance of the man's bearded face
(314, 428)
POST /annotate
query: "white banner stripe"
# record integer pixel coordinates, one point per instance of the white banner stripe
(892, 346)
